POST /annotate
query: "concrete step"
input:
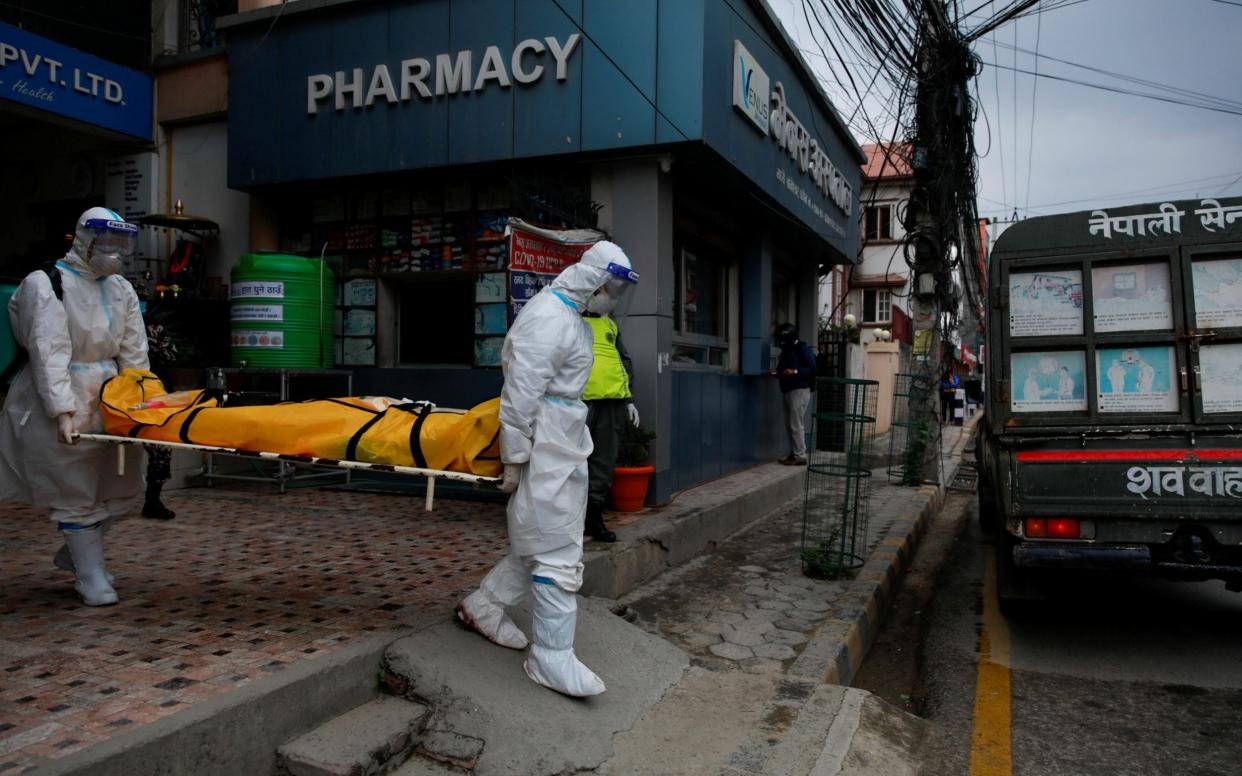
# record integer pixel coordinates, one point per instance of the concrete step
(371, 739)
(489, 718)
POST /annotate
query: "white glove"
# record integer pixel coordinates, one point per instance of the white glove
(512, 476)
(633, 412)
(65, 429)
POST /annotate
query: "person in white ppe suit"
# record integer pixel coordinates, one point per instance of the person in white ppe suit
(74, 344)
(544, 445)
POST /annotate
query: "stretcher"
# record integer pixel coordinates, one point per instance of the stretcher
(377, 434)
(431, 475)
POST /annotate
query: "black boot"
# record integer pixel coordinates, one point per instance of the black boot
(594, 527)
(153, 507)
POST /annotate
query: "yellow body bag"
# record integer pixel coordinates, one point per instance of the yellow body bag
(349, 428)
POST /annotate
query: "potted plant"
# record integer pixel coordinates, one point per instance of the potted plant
(629, 479)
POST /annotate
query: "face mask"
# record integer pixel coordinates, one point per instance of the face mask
(104, 264)
(601, 303)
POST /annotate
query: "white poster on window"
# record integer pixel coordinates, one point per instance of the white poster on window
(1218, 293)
(1132, 297)
(1050, 381)
(1045, 304)
(1138, 379)
(1221, 372)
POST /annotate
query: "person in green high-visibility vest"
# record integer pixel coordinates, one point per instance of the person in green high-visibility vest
(610, 405)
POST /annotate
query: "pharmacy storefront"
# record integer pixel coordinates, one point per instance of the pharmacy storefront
(398, 139)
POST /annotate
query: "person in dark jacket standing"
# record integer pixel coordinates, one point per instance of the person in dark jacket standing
(796, 372)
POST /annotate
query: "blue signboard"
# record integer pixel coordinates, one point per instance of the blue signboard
(384, 87)
(48, 76)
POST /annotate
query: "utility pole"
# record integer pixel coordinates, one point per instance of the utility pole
(942, 159)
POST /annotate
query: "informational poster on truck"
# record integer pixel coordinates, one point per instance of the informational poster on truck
(1218, 293)
(1136, 379)
(1045, 303)
(1049, 381)
(1132, 297)
(1220, 368)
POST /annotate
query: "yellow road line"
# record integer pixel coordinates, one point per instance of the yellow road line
(990, 752)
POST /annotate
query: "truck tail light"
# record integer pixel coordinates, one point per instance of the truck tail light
(1053, 528)
(1063, 528)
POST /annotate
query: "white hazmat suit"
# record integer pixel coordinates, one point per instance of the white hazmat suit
(544, 442)
(75, 344)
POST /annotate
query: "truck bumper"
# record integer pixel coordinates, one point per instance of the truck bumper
(1119, 558)
(1050, 556)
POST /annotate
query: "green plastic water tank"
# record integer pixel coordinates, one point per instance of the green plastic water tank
(281, 311)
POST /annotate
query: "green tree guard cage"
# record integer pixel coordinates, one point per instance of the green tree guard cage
(835, 510)
(915, 428)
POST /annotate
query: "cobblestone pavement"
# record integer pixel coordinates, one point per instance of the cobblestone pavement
(241, 584)
(748, 606)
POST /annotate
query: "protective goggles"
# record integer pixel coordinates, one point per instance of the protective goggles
(119, 237)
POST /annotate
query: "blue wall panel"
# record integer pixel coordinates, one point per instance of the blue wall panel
(709, 430)
(251, 155)
(420, 128)
(548, 120)
(359, 143)
(481, 123)
(722, 423)
(619, 74)
(679, 78)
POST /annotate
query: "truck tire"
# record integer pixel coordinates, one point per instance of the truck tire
(989, 515)
(1014, 586)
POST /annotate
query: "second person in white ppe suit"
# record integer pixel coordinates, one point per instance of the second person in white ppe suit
(74, 344)
(544, 444)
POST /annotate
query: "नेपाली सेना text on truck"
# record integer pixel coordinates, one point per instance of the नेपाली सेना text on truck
(1112, 435)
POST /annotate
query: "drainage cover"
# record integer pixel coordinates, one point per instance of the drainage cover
(965, 478)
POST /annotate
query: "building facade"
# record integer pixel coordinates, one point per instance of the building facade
(396, 138)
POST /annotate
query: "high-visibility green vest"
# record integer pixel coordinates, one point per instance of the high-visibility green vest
(609, 379)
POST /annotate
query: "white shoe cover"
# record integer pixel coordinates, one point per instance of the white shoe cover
(487, 617)
(64, 561)
(551, 661)
(90, 578)
(561, 670)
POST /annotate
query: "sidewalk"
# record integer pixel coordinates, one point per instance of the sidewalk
(255, 617)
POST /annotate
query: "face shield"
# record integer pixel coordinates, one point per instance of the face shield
(612, 298)
(105, 244)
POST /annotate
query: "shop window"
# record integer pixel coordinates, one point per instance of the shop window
(878, 223)
(437, 321)
(700, 310)
(877, 305)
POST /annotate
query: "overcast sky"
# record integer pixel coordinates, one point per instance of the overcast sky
(1085, 147)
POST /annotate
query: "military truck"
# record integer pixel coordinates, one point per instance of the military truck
(1112, 435)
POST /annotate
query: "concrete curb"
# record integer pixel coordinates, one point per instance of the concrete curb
(837, 648)
(692, 525)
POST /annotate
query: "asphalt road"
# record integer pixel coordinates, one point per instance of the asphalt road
(1106, 677)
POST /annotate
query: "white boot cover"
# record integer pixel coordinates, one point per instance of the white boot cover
(479, 611)
(551, 661)
(91, 580)
(63, 560)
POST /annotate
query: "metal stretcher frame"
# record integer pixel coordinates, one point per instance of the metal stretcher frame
(307, 460)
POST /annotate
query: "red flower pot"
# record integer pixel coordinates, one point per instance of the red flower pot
(629, 487)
